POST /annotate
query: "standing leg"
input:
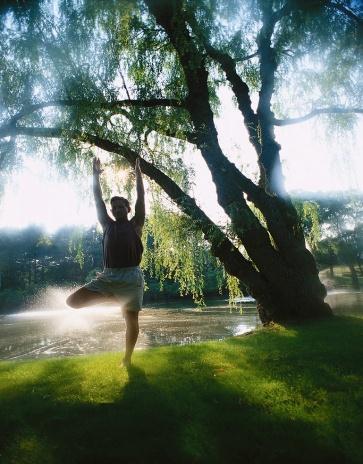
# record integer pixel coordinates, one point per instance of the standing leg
(132, 332)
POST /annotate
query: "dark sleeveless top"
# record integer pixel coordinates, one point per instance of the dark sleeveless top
(122, 247)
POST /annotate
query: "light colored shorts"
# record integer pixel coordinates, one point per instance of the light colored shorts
(126, 284)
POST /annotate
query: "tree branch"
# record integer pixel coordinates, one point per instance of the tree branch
(271, 177)
(241, 91)
(149, 103)
(124, 84)
(316, 112)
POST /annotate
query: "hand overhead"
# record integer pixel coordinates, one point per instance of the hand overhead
(97, 166)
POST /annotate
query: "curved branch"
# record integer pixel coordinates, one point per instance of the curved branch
(330, 110)
(118, 104)
(270, 157)
(221, 246)
(188, 136)
(149, 103)
(241, 91)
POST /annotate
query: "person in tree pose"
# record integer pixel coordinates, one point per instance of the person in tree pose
(121, 280)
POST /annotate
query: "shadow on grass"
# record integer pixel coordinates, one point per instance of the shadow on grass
(42, 420)
(257, 399)
(275, 396)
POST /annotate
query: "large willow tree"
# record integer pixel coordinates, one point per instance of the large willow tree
(141, 78)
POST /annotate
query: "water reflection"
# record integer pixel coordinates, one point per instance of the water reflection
(64, 332)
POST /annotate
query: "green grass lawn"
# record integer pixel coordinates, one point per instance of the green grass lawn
(290, 394)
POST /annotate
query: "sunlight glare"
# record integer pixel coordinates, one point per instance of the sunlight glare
(35, 195)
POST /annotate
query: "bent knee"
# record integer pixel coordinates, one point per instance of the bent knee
(73, 302)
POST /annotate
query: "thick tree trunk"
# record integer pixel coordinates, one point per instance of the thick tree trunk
(292, 289)
(298, 296)
(295, 311)
(293, 301)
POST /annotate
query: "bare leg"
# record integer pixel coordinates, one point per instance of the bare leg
(132, 332)
(84, 297)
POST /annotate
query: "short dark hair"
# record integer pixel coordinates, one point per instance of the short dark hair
(125, 200)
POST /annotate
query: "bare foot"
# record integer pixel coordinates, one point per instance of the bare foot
(126, 363)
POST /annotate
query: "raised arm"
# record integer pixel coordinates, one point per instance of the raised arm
(102, 215)
(139, 217)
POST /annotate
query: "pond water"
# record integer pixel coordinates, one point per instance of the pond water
(40, 332)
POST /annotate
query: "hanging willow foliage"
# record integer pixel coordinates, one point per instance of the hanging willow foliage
(175, 250)
(308, 212)
(234, 290)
